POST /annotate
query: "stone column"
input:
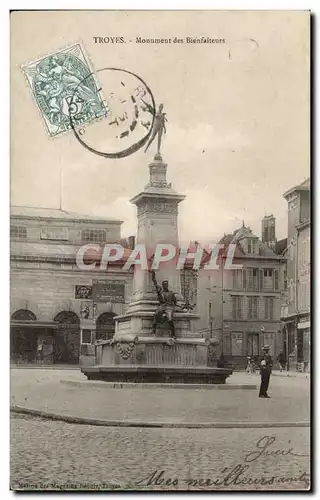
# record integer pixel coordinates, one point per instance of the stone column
(157, 209)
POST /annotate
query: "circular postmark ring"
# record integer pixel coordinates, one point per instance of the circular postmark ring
(125, 152)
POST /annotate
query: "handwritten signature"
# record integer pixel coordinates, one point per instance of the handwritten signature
(265, 449)
(232, 478)
(238, 475)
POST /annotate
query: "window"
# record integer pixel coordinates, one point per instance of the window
(226, 343)
(86, 336)
(18, 232)
(236, 344)
(268, 307)
(237, 279)
(250, 246)
(253, 344)
(94, 235)
(268, 279)
(236, 307)
(250, 279)
(252, 307)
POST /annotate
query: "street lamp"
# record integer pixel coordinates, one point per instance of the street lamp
(210, 318)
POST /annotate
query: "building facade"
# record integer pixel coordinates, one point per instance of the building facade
(296, 311)
(52, 300)
(242, 306)
(59, 310)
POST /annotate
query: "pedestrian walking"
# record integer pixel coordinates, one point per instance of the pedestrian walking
(250, 365)
(40, 353)
(265, 372)
(282, 360)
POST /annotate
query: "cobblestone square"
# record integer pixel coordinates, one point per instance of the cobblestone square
(49, 454)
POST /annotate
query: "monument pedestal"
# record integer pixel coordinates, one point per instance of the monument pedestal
(155, 360)
(87, 350)
(135, 353)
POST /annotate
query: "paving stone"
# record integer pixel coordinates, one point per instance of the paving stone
(53, 455)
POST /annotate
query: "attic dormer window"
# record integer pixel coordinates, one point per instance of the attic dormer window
(250, 246)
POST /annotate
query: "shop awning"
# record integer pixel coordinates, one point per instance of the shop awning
(34, 324)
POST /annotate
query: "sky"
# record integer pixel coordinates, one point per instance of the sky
(238, 116)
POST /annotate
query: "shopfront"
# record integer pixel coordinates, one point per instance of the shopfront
(304, 342)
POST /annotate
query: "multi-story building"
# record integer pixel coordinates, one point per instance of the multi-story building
(296, 312)
(52, 299)
(242, 306)
(55, 303)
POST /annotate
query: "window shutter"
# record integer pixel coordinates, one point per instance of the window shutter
(261, 279)
(234, 306)
(250, 278)
(239, 315)
(276, 279)
(244, 278)
(271, 301)
(255, 308)
(250, 307)
(234, 275)
(266, 308)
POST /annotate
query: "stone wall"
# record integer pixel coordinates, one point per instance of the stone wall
(47, 289)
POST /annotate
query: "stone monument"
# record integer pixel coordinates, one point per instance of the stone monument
(139, 352)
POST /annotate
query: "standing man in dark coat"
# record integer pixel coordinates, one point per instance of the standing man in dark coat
(265, 372)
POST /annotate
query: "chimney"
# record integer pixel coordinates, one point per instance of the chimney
(131, 242)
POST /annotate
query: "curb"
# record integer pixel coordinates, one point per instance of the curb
(161, 425)
(292, 375)
(44, 367)
(142, 385)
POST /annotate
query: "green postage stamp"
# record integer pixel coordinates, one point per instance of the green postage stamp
(65, 89)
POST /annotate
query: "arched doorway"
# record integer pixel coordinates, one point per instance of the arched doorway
(105, 327)
(23, 339)
(66, 344)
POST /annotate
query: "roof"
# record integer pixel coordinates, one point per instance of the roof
(281, 245)
(243, 232)
(54, 213)
(235, 238)
(304, 186)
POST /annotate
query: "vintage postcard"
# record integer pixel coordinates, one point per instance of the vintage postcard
(160, 335)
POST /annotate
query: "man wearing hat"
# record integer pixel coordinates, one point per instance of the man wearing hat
(265, 372)
(167, 305)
